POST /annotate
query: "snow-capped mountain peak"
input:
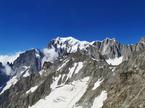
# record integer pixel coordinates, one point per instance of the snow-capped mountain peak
(69, 40)
(68, 44)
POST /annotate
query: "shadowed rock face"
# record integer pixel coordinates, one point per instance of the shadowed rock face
(124, 84)
(29, 58)
(3, 79)
(3, 76)
(109, 48)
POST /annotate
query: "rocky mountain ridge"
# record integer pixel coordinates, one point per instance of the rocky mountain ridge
(75, 74)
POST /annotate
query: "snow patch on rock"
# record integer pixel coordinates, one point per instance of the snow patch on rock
(55, 82)
(60, 67)
(98, 102)
(115, 61)
(75, 69)
(26, 74)
(32, 89)
(37, 54)
(79, 67)
(97, 84)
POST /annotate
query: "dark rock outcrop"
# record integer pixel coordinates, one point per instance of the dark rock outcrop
(31, 58)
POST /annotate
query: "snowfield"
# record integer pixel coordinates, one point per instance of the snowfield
(67, 96)
(64, 97)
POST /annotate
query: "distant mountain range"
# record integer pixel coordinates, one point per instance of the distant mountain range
(69, 73)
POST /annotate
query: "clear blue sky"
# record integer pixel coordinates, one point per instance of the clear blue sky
(32, 23)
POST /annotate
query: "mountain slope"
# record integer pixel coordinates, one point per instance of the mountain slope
(76, 74)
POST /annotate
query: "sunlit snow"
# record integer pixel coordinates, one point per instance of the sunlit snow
(79, 67)
(60, 67)
(55, 82)
(37, 54)
(73, 44)
(115, 61)
(31, 90)
(98, 102)
(97, 84)
(64, 97)
(26, 74)
(75, 69)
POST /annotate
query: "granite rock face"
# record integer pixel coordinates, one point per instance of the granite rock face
(127, 86)
(30, 58)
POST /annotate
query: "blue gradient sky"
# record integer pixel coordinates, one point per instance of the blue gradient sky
(28, 24)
